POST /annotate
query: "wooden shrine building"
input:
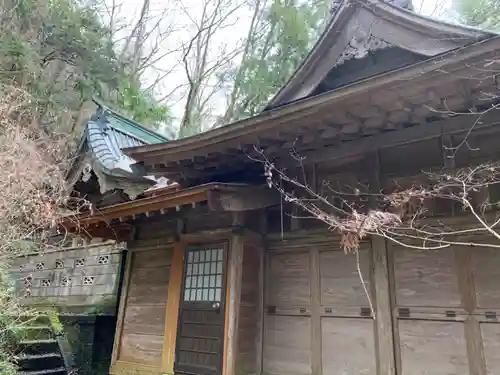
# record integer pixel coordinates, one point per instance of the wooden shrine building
(222, 279)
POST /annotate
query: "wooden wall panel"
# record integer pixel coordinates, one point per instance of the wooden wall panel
(144, 349)
(433, 348)
(426, 278)
(144, 319)
(287, 345)
(144, 260)
(142, 328)
(289, 279)
(348, 346)
(340, 283)
(491, 344)
(314, 298)
(249, 319)
(486, 270)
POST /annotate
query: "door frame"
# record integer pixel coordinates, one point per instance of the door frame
(200, 245)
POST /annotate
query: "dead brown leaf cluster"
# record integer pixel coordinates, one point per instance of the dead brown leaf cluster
(32, 189)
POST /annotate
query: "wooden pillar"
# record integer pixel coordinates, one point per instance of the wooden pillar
(233, 297)
(384, 338)
(172, 310)
(259, 361)
(467, 288)
(122, 306)
(316, 350)
(384, 328)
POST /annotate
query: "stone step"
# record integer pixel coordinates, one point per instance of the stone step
(38, 346)
(35, 342)
(32, 357)
(40, 319)
(37, 332)
(42, 361)
(58, 370)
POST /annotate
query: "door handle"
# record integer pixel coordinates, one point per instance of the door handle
(216, 305)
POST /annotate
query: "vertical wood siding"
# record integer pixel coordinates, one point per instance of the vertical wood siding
(139, 343)
(314, 303)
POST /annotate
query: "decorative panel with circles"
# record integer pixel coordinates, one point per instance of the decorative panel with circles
(80, 262)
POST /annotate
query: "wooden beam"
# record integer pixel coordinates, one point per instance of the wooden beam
(121, 308)
(140, 206)
(316, 334)
(384, 338)
(259, 360)
(383, 318)
(461, 123)
(447, 150)
(233, 298)
(475, 349)
(467, 289)
(172, 310)
(243, 199)
(215, 140)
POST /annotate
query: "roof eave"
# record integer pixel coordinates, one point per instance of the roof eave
(251, 125)
(462, 35)
(169, 199)
(327, 37)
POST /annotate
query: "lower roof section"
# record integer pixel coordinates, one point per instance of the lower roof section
(414, 96)
(219, 196)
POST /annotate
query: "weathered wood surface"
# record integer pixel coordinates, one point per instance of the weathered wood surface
(433, 348)
(172, 310)
(450, 301)
(491, 343)
(233, 298)
(486, 271)
(341, 286)
(426, 278)
(316, 309)
(440, 309)
(289, 280)
(249, 323)
(287, 345)
(356, 355)
(383, 308)
(142, 328)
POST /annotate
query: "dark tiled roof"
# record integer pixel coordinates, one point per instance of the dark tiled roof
(105, 135)
(405, 4)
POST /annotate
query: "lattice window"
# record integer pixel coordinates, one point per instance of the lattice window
(40, 266)
(59, 264)
(80, 262)
(65, 281)
(45, 282)
(203, 276)
(103, 259)
(88, 280)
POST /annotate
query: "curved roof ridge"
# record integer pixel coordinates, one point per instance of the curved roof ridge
(391, 7)
(342, 28)
(153, 136)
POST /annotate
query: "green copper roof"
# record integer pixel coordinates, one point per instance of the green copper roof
(132, 128)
